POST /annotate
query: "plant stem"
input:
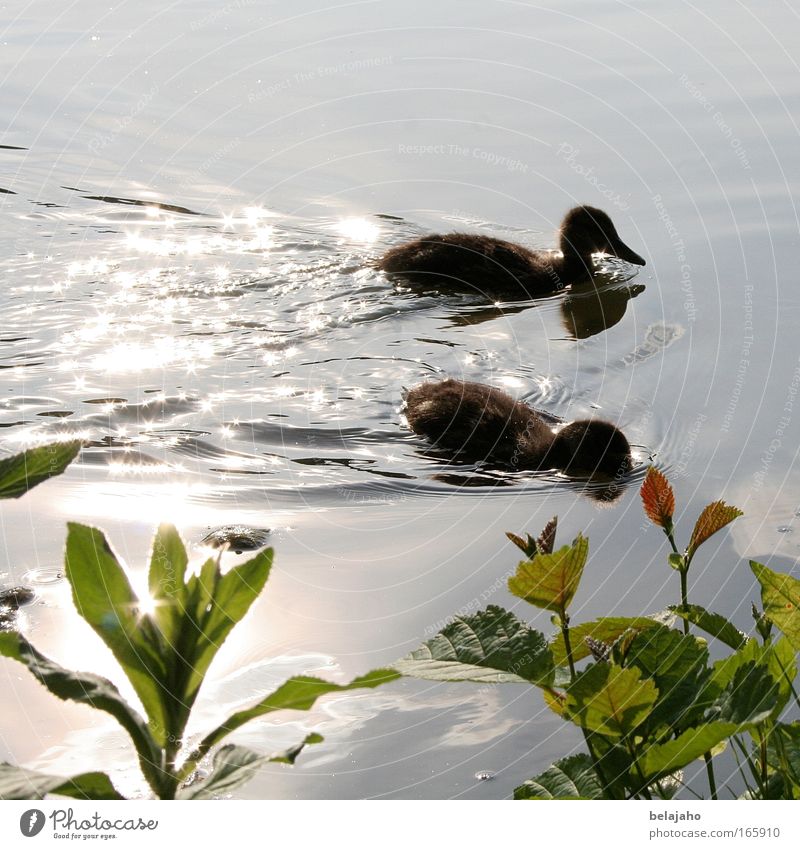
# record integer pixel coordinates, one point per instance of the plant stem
(712, 782)
(567, 644)
(684, 597)
(632, 752)
(763, 753)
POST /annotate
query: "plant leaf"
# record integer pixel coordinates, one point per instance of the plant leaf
(606, 630)
(610, 699)
(712, 623)
(104, 598)
(661, 760)
(780, 595)
(19, 783)
(547, 538)
(749, 698)
(24, 471)
(229, 599)
(677, 664)
(168, 562)
(490, 647)
(298, 693)
(86, 688)
(713, 518)
(233, 766)
(569, 778)
(658, 498)
(550, 581)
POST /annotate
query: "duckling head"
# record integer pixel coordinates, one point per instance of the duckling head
(587, 230)
(591, 448)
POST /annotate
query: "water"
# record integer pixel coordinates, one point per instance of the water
(193, 198)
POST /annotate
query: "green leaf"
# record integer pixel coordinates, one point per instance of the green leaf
(749, 698)
(676, 561)
(777, 657)
(606, 630)
(783, 753)
(780, 595)
(298, 693)
(661, 760)
(168, 562)
(24, 471)
(229, 599)
(19, 783)
(233, 766)
(550, 581)
(569, 778)
(677, 664)
(104, 598)
(86, 688)
(490, 647)
(609, 699)
(712, 623)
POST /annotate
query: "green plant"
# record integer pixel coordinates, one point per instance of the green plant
(24, 471)
(165, 654)
(647, 698)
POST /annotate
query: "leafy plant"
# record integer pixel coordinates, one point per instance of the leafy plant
(165, 654)
(24, 471)
(648, 699)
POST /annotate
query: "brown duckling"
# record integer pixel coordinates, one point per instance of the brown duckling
(488, 424)
(473, 262)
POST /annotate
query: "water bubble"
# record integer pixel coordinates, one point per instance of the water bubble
(484, 775)
(44, 577)
(784, 529)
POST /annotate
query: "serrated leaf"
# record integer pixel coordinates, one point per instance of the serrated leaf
(528, 546)
(658, 498)
(24, 471)
(678, 666)
(19, 783)
(569, 778)
(610, 699)
(712, 623)
(661, 760)
(86, 688)
(490, 647)
(104, 598)
(606, 630)
(780, 595)
(289, 756)
(749, 698)
(550, 581)
(298, 693)
(713, 518)
(547, 539)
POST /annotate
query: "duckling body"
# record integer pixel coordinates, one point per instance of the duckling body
(472, 262)
(488, 424)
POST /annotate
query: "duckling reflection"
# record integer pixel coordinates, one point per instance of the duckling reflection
(586, 311)
(463, 261)
(483, 423)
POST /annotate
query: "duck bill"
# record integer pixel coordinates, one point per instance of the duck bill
(620, 249)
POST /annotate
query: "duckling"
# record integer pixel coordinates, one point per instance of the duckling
(488, 424)
(467, 261)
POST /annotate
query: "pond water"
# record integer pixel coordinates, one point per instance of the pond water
(193, 196)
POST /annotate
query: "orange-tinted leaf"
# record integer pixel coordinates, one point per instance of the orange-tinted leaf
(713, 518)
(547, 538)
(658, 498)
